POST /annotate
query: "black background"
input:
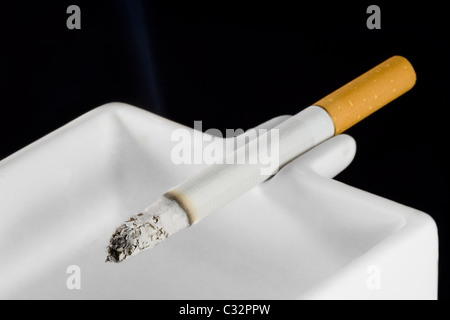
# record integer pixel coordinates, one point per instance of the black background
(234, 66)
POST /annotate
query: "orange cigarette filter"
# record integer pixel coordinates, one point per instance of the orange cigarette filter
(369, 92)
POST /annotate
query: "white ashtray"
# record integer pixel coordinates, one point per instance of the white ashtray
(299, 235)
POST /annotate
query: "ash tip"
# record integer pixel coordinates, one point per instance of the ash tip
(145, 230)
(123, 243)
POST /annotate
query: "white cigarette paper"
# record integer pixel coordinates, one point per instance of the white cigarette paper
(218, 184)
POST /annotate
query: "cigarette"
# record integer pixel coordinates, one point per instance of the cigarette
(218, 184)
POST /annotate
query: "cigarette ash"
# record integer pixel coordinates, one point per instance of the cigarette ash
(129, 237)
(145, 230)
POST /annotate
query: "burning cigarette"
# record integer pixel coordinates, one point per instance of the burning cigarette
(197, 197)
